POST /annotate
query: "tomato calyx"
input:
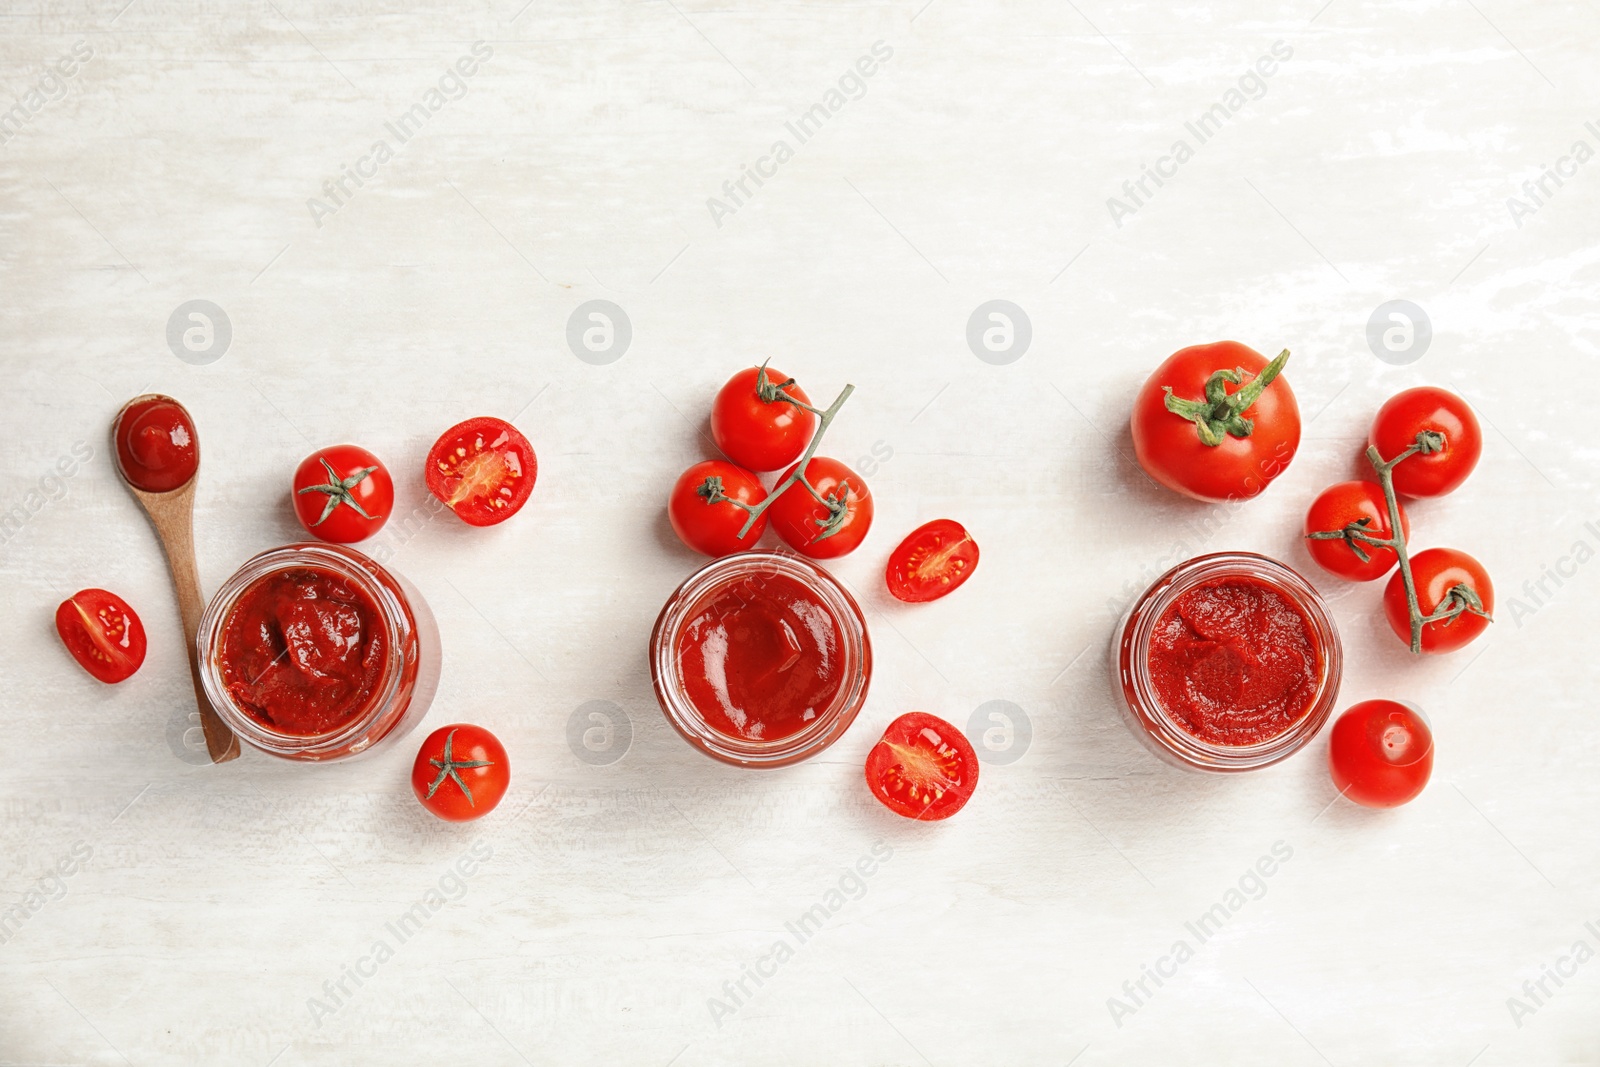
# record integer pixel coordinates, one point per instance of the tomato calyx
(449, 767)
(1459, 599)
(1355, 534)
(770, 392)
(338, 490)
(1221, 413)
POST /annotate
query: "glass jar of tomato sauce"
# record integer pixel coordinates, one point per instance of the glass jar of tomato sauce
(1228, 662)
(761, 659)
(315, 652)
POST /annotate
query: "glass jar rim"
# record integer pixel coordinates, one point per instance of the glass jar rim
(358, 568)
(681, 712)
(1138, 686)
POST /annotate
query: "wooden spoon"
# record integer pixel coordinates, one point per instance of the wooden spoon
(172, 515)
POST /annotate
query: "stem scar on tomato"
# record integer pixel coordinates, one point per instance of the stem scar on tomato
(1222, 413)
(449, 766)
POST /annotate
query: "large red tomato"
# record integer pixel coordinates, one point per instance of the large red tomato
(1216, 422)
(343, 493)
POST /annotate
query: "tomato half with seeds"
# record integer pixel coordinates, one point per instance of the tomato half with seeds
(461, 772)
(931, 562)
(705, 512)
(826, 528)
(1452, 585)
(755, 426)
(1216, 422)
(343, 493)
(483, 470)
(1380, 753)
(103, 634)
(1352, 509)
(922, 768)
(1447, 453)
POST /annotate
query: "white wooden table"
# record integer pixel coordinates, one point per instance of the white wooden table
(627, 892)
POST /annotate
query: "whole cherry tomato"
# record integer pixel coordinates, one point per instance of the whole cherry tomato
(1446, 455)
(703, 511)
(1216, 422)
(343, 493)
(817, 529)
(1447, 579)
(461, 772)
(102, 632)
(1347, 508)
(483, 470)
(1380, 753)
(931, 562)
(755, 426)
(922, 768)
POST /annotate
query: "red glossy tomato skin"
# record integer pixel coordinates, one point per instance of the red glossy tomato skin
(933, 561)
(796, 513)
(482, 469)
(761, 435)
(1337, 507)
(714, 528)
(1380, 753)
(102, 633)
(487, 784)
(1170, 450)
(374, 493)
(1407, 414)
(922, 768)
(1435, 572)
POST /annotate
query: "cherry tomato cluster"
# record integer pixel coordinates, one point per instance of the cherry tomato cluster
(763, 422)
(1424, 443)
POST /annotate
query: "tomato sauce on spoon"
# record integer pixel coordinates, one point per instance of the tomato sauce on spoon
(156, 445)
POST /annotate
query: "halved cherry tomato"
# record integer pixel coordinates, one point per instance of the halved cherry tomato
(818, 530)
(702, 515)
(755, 426)
(1192, 435)
(102, 632)
(1449, 455)
(1345, 507)
(922, 768)
(1443, 576)
(931, 562)
(483, 470)
(1380, 753)
(461, 772)
(343, 493)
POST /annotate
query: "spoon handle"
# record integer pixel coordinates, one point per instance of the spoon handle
(177, 540)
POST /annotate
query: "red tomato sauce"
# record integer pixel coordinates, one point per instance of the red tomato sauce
(761, 659)
(156, 445)
(1234, 662)
(303, 651)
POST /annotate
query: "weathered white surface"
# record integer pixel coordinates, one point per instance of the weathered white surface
(976, 166)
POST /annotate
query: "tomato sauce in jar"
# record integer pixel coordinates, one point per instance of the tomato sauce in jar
(1228, 662)
(761, 659)
(303, 651)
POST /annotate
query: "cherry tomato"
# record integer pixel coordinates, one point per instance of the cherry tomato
(701, 511)
(102, 632)
(461, 772)
(343, 493)
(1338, 508)
(756, 427)
(1380, 753)
(804, 522)
(483, 470)
(922, 768)
(931, 562)
(1442, 576)
(1456, 447)
(1185, 404)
